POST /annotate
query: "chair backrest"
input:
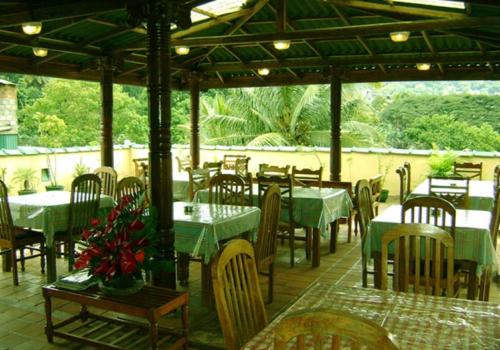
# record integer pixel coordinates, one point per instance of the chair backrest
(365, 206)
(407, 166)
(419, 247)
(213, 167)
(6, 226)
(273, 170)
(376, 186)
(430, 210)
(265, 247)
(238, 298)
(229, 161)
(241, 166)
(109, 178)
(129, 186)
(184, 163)
(84, 202)
(324, 327)
(495, 219)
(198, 179)
(453, 189)
(468, 170)
(403, 186)
(285, 184)
(496, 177)
(141, 166)
(307, 177)
(226, 189)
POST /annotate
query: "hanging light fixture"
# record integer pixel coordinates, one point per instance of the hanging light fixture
(423, 66)
(281, 44)
(182, 50)
(263, 71)
(399, 36)
(40, 51)
(32, 28)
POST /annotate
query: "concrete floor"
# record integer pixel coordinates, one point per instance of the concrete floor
(22, 316)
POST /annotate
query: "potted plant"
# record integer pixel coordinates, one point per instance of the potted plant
(80, 169)
(121, 248)
(26, 178)
(441, 163)
(54, 186)
(383, 169)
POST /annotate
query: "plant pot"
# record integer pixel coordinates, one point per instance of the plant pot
(23, 192)
(384, 194)
(121, 287)
(54, 188)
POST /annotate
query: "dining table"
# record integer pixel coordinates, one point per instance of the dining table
(417, 321)
(49, 213)
(314, 208)
(481, 193)
(200, 230)
(472, 240)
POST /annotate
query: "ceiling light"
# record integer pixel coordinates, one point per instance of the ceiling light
(40, 51)
(281, 44)
(263, 71)
(423, 66)
(32, 28)
(399, 36)
(181, 50)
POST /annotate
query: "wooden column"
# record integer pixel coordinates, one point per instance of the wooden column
(107, 112)
(335, 111)
(195, 119)
(160, 156)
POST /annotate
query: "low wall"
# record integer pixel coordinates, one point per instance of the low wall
(357, 163)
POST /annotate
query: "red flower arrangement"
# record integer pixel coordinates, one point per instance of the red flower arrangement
(120, 249)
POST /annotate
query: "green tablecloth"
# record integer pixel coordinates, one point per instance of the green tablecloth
(472, 235)
(481, 194)
(47, 211)
(198, 233)
(312, 207)
(181, 186)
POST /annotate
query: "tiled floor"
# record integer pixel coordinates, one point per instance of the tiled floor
(22, 314)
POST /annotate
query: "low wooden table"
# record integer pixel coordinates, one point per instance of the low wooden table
(106, 332)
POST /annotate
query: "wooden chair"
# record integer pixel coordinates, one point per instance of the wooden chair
(286, 226)
(468, 170)
(496, 178)
(229, 161)
(376, 187)
(84, 204)
(403, 184)
(265, 247)
(142, 170)
(108, 178)
(307, 177)
(453, 189)
(226, 189)
(423, 257)
(238, 298)
(353, 212)
(365, 215)
(495, 219)
(184, 163)
(214, 168)
(13, 238)
(241, 169)
(273, 170)
(407, 166)
(318, 328)
(129, 186)
(198, 179)
(430, 210)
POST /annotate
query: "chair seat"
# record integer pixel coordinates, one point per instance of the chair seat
(26, 233)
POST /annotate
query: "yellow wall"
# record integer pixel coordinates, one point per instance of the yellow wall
(355, 165)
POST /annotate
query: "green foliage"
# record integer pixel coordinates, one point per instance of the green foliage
(25, 177)
(441, 163)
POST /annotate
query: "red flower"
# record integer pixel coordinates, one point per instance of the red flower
(85, 234)
(81, 263)
(103, 267)
(139, 256)
(127, 262)
(95, 222)
(136, 225)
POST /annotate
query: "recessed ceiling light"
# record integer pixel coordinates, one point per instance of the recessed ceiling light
(263, 71)
(40, 51)
(182, 50)
(399, 36)
(281, 44)
(423, 66)
(32, 28)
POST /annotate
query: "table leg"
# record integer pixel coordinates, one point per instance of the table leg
(334, 233)
(48, 319)
(6, 261)
(377, 267)
(206, 285)
(183, 269)
(154, 334)
(315, 249)
(185, 325)
(51, 263)
(472, 286)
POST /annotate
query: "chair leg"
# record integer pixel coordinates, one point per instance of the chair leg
(42, 256)
(349, 228)
(71, 256)
(14, 266)
(21, 258)
(271, 284)
(364, 273)
(356, 225)
(292, 246)
(308, 242)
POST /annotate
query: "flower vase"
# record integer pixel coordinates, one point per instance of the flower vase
(121, 286)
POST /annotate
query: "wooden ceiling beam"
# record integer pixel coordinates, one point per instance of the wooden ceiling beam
(484, 52)
(428, 41)
(397, 9)
(449, 57)
(342, 32)
(55, 10)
